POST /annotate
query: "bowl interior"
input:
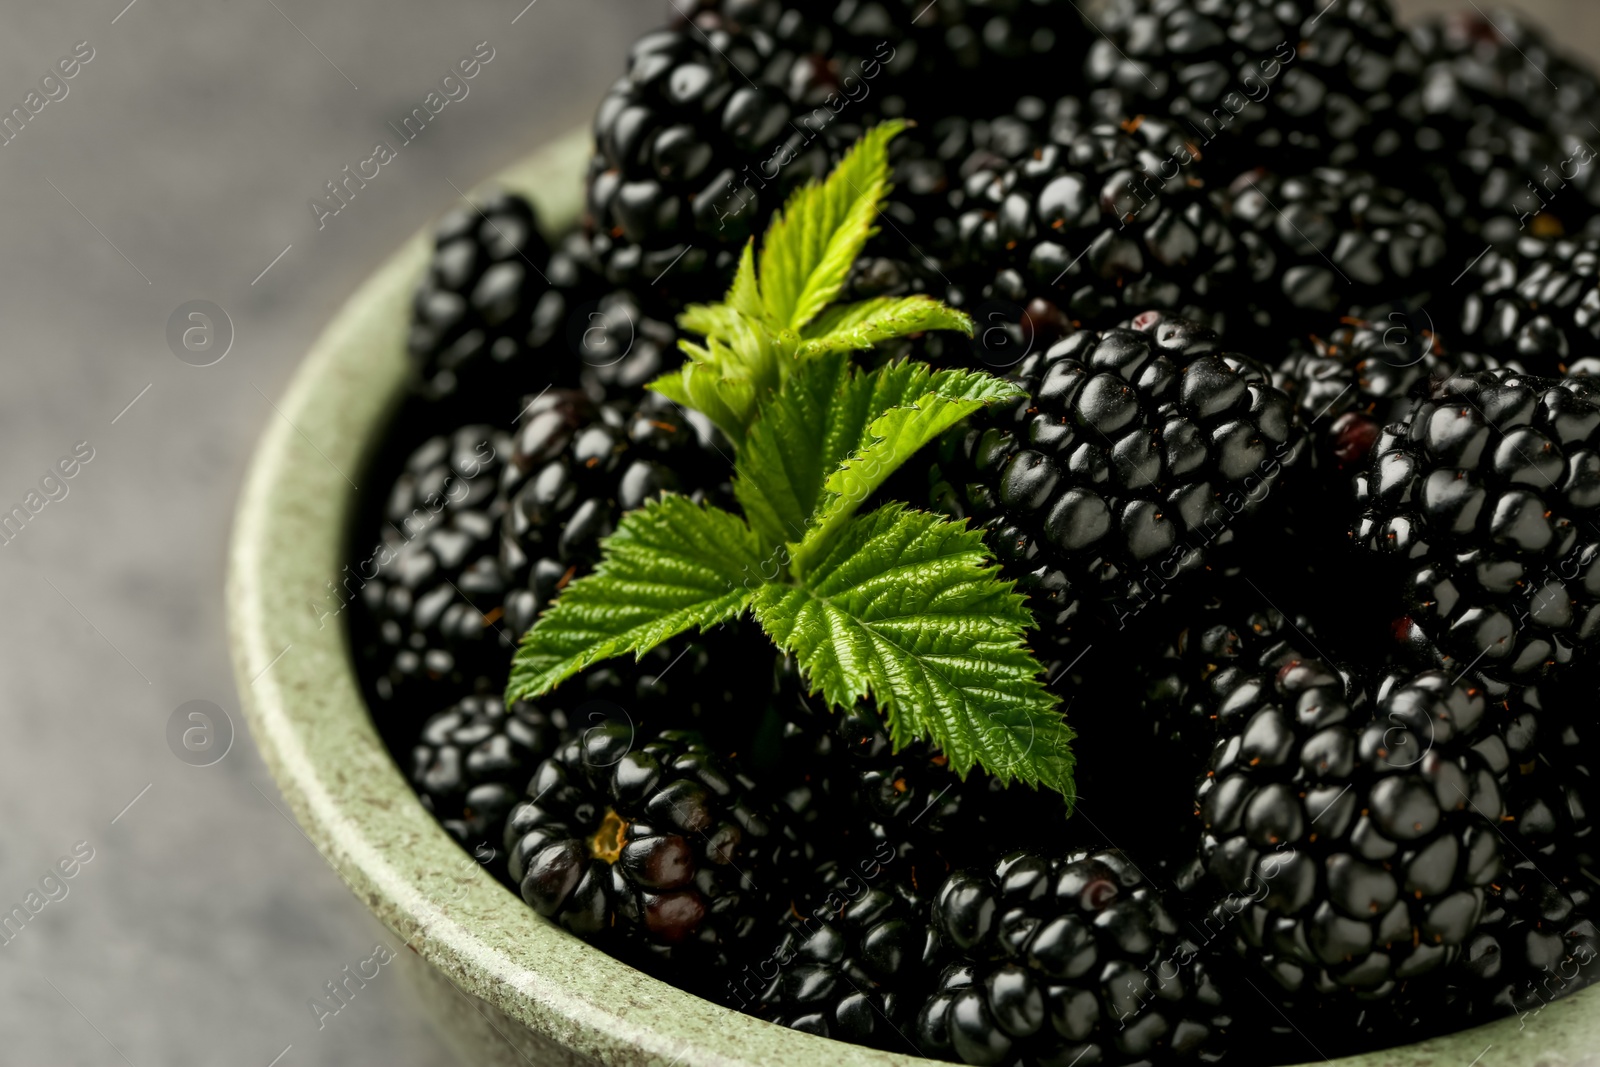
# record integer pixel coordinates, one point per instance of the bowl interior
(290, 578)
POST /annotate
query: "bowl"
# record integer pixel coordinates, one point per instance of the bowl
(504, 985)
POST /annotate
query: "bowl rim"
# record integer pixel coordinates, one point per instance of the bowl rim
(299, 692)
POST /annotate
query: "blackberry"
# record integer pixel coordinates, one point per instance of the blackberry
(1362, 376)
(473, 310)
(1026, 44)
(1090, 232)
(431, 608)
(933, 165)
(913, 801)
(1306, 82)
(1353, 850)
(1484, 498)
(471, 761)
(714, 121)
(841, 776)
(1328, 242)
(854, 959)
(1504, 124)
(1218, 655)
(1066, 960)
(621, 343)
(1477, 62)
(576, 465)
(649, 846)
(1129, 462)
(1537, 942)
(1536, 307)
(1541, 749)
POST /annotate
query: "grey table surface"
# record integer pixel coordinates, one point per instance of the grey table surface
(178, 167)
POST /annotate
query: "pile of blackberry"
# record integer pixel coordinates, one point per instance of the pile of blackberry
(1303, 493)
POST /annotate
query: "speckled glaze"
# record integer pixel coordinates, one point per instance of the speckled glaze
(506, 986)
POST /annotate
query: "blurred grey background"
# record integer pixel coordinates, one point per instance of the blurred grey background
(178, 167)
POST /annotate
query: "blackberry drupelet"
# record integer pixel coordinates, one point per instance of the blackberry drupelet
(471, 761)
(1484, 499)
(472, 312)
(1324, 243)
(1134, 456)
(575, 467)
(855, 958)
(429, 629)
(715, 120)
(1535, 307)
(1064, 961)
(648, 845)
(1353, 850)
(1361, 377)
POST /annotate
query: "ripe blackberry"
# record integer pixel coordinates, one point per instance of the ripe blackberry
(1537, 942)
(1485, 497)
(1477, 61)
(715, 120)
(1090, 232)
(841, 776)
(471, 761)
(1541, 749)
(855, 958)
(648, 845)
(1132, 458)
(1536, 307)
(1024, 44)
(1325, 242)
(575, 466)
(1219, 655)
(1353, 849)
(913, 801)
(430, 621)
(1503, 124)
(1361, 377)
(934, 164)
(1309, 83)
(1067, 960)
(473, 310)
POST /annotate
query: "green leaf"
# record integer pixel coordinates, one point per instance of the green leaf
(807, 251)
(717, 321)
(817, 420)
(698, 385)
(804, 432)
(856, 327)
(671, 565)
(911, 407)
(745, 295)
(906, 609)
(901, 431)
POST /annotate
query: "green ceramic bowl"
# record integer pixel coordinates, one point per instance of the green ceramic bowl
(506, 986)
